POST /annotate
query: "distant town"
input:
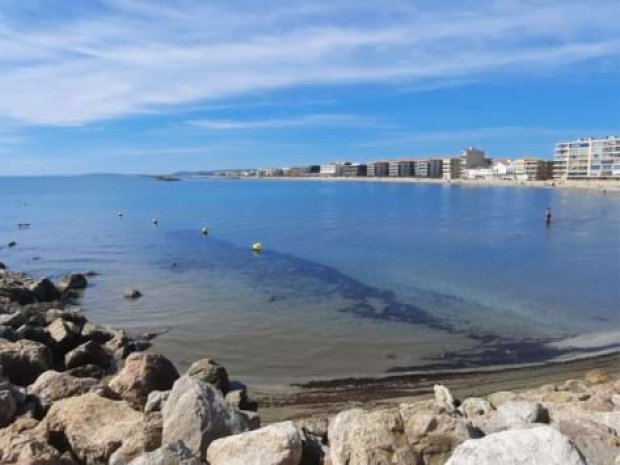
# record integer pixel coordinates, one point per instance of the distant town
(586, 158)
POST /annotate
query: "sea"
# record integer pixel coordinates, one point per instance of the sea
(354, 279)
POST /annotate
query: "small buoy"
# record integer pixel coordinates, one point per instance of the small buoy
(155, 221)
(257, 247)
(204, 230)
(120, 214)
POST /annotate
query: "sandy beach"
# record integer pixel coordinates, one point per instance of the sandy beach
(611, 185)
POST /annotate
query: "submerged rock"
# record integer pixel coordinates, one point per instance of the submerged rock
(132, 294)
(277, 444)
(540, 445)
(75, 281)
(143, 372)
(197, 414)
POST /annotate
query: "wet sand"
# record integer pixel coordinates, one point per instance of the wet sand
(329, 397)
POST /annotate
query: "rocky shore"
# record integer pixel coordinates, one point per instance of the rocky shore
(74, 392)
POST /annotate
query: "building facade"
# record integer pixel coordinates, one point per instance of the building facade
(471, 157)
(587, 158)
(354, 169)
(378, 169)
(331, 169)
(451, 168)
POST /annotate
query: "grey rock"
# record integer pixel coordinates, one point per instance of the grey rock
(52, 386)
(97, 333)
(175, 453)
(44, 290)
(132, 294)
(23, 361)
(473, 407)
(8, 333)
(14, 320)
(198, 414)
(540, 445)
(75, 281)
(8, 403)
(155, 401)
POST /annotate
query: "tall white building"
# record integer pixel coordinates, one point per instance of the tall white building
(587, 158)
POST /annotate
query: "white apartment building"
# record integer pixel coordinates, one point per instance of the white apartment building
(587, 158)
(451, 168)
(331, 169)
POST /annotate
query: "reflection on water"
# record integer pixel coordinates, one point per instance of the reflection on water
(355, 279)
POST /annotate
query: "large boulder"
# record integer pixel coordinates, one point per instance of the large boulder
(473, 407)
(209, 371)
(18, 294)
(52, 385)
(522, 411)
(498, 398)
(356, 436)
(597, 376)
(73, 315)
(176, 453)
(155, 401)
(93, 427)
(65, 333)
(540, 445)
(599, 443)
(14, 320)
(143, 372)
(145, 439)
(88, 353)
(277, 444)
(23, 361)
(97, 333)
(198, 414)
(443, 398)
(44, 290)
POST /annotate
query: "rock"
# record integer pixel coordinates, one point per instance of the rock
(92, 426)
(18, 294)
(599, 443)
(143, 372)
(575, 386)
(432, 436)
(87, 371)
(74, 316)
(11, 244)
(541, 445)
(88, 353)
(239, 399)
(22, 441)
(155, 401)
(75, 281)
(277, 444)
(118, 341)
(2, 266)
(97, 333)
(316, 426)
(443, 398)
(53, 385)
(560, 397)
(65, 333)
(23, 361)
(197, 413)
(8, 403)
(8, 333)
(175, 453)
(251, 419)
(498, 398)
(522, 411)
(35, 333)
(473, 407)
(597, 376)
(146, 439)
(209, 371)
(14, 320)
(356, 435)
(132, 294)
(44, 290)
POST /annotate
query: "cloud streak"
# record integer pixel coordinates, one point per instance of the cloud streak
(283, 123)
(125, 57)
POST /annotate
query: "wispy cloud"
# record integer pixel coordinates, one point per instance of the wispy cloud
(112, 58)
(292, 122)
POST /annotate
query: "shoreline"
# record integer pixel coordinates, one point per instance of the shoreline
(605, 186)
(328, 397)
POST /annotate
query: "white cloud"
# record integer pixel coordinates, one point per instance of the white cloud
(122, 57)
(281, 123)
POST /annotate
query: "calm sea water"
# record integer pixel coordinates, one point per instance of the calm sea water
(355, 278)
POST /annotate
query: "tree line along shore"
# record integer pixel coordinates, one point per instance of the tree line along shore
(75, 392)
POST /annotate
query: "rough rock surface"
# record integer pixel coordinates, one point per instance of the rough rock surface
(8, 403)
(473, 407)
(52, 385)
(277, 444)
(44, 290)
(209, 371)
(23, 361)
(540, 445)
(93, 427)
(198, 414)
(143, 372)
(155, 401)
(176, 453)
(88, 353)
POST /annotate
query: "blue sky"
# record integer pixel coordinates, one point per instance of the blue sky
(143, 86)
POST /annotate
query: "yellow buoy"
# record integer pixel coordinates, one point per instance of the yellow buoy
(257, 247)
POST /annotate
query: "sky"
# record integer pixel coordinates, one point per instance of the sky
(143, 86)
